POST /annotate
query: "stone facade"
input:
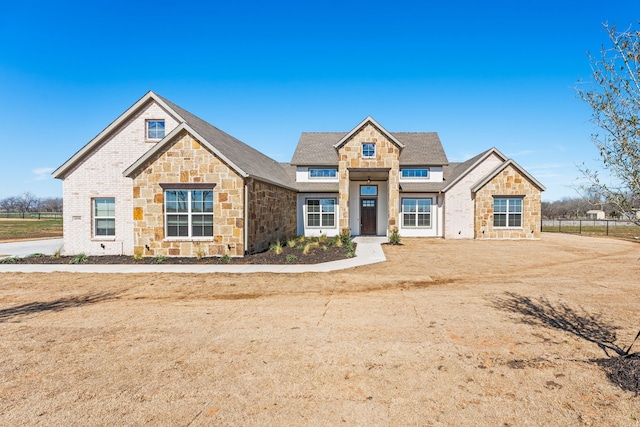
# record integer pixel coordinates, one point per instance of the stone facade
(509, 182)
(186, 161)
(387, 155)
(272, 215)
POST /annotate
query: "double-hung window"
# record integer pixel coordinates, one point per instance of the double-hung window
(104, 216)
(507, 212)
(155, 129)
(321, 213)
(188, 213)
(416, 213)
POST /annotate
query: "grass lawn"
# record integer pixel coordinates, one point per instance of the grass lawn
(624, 232)
(30, 229)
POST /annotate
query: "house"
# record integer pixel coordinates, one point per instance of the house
(595, 214)
(159, 181)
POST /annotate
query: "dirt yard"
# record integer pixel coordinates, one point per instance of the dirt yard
(445, 332)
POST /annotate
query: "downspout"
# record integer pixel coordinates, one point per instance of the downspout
(246, 218)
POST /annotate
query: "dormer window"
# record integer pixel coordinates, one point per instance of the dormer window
(155, 129)
(368, 149)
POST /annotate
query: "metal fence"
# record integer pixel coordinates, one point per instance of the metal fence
(31, 215)
(602, 227)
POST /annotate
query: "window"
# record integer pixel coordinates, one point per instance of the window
(368, 190)
(416, 213)
(155, 129)
(104, 216)
(189, 213)
(414, 173)
(368, 149)
(323, 173)
(321, 213)
(507, 212)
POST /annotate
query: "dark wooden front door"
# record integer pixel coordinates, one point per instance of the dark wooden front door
(368, 217)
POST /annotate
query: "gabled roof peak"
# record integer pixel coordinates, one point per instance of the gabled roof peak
(366, 121)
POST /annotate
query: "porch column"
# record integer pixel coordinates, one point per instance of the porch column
(343, 196)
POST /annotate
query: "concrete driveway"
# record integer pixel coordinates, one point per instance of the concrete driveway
(28, 247)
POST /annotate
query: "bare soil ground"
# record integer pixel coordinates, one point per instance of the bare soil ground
(443, 333)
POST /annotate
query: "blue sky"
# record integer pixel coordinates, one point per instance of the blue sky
(480, 73)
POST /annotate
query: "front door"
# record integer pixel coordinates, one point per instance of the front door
(368, 217)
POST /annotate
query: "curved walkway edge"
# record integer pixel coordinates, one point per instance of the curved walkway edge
(368, 251)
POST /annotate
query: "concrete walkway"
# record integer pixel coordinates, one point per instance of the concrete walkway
(368, 251)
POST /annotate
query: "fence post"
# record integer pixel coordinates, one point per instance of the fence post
(607, 227)
(580, 222)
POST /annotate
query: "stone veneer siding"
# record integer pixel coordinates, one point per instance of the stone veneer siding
(186, 161)
(387, 156)
(508, 183)
(272, 215)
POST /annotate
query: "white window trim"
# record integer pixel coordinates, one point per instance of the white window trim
(306, 213)
(374, 150)
(402, 177)
(508, 212)
(96, 236)
(402, 213)
(146, 129)
(323, 177)
(189, 215)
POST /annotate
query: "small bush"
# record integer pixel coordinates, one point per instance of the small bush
(291, 258)
(36, 255)
(159, 259)
(58, 252)
(351, 254)
(199, 253)
(9, 260)
(79, 259)
(291, 243)
(137, 253)
(394, 237)
(345, 235)
(226, 259)
(276, 247)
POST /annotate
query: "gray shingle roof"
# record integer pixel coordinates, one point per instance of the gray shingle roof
(421, 149)
(247, 158)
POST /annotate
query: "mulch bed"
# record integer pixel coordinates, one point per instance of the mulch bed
(624, 371)
(315, 256)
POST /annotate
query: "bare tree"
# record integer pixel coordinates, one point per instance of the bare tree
(614, 96)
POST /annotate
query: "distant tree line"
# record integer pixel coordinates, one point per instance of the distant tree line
(28, 202)
(577, 207)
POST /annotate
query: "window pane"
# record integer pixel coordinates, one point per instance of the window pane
(515, 220)
(177, 225)
(202, 225)
(313, 205)
(368, 150)
(105, 227)
(105, 207)
(328, 205)
(155, 129)
(176, 201)
(500, 205)
(328, 220)
(424, 205)
(201, 201)
(368, 190)
(313, 220)
(408, 220)
(424, 220)
(515, 205)
(414, 173)
(499, 220)
(323, 173)
(408, 205)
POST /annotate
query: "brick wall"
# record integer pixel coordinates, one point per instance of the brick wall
(186, 161)
(272, 215)
(459, 208)
(100, 175)
(509, 182)
(387, 156)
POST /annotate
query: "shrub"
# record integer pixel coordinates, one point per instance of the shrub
(199, 253)
(345, 235)
(137, 253)
(78, 259)
(159, 259)
(276, 247)
(226, 258)
(58, 252)
(9, 260)
(291, 258)
(36, 255)
(394, 237)
(291, 243)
